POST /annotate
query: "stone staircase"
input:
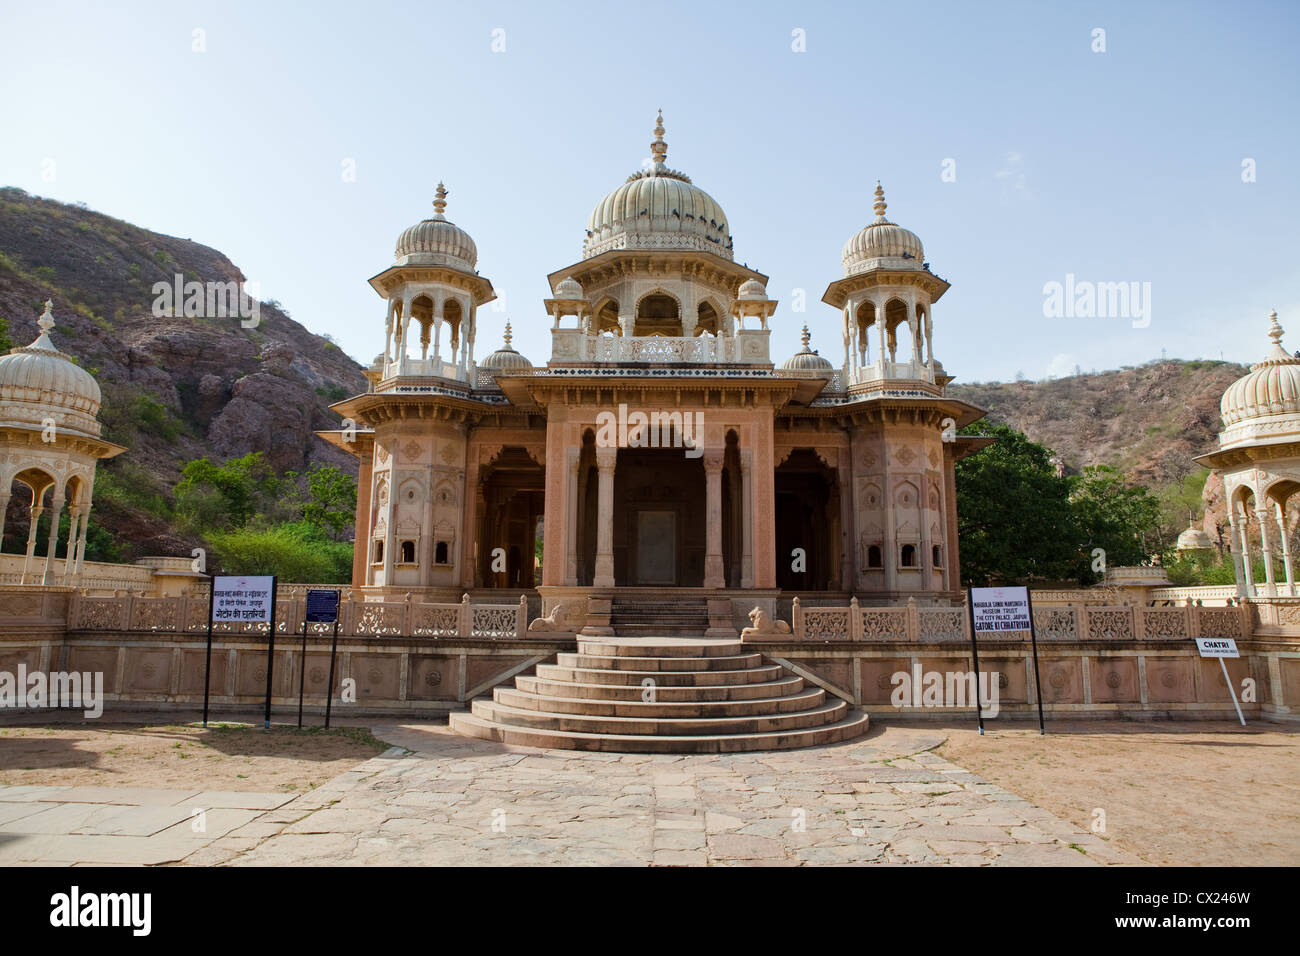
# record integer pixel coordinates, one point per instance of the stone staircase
(659, 619)
(706, 697)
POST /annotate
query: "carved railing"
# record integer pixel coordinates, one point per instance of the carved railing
(947, 625)
(408, 618)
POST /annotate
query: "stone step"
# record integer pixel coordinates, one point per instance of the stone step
(698, 678)
(659, 629)
(852, 725)
(801, 700)
(617, 663)
(681, 647)
(819, 716)
(779, 688)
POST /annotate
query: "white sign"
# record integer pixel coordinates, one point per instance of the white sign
(1217, 647)
(242, 599)
(998, 610)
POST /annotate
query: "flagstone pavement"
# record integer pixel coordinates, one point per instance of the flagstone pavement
(435, 798)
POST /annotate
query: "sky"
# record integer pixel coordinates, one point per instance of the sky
(1023, 146)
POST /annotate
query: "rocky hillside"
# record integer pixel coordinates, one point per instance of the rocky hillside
(174, 388)
(1148, 421)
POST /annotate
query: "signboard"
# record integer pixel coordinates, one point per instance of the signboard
(999, 610)
(1217, 647)
(322, 606)
(242, 599)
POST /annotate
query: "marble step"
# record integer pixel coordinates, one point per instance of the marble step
(805, 699)
(818, 716)
(620, 663)
(697, 678)
(852, 725)
(648, 647)
(778, 688)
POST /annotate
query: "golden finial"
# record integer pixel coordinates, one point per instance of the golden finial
(46, 321)
(440, 201)
(879, 207)
(659, 149)
(507, 335)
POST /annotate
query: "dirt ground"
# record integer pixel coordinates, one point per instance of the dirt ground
(224, 757)
(1194, 793)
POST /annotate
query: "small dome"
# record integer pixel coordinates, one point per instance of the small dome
(437, 241)
(1194, 539)
(658, 208)
(752, 290)
(505, 358)
(882, 239)
(40, 382)
(1270, 391)
(569, 288)
(806, 358)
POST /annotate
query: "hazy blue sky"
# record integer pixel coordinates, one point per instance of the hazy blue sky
(1117, 166)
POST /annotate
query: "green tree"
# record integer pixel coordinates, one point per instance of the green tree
(331, 500)
(213, 497)
(6, 343)
(1120, 518)
(298, 552)
(1014, 517)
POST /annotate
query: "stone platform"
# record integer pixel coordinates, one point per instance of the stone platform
(661, 695)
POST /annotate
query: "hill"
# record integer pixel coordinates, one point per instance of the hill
(174, 388)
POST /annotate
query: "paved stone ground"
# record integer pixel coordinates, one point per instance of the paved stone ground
(438, 798)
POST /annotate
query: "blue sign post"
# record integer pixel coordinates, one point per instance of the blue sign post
(322, 608)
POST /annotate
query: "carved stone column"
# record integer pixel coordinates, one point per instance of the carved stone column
(34, 515)
(4, 511)
(52, 545)
(713, 575)
(604, 576)
(1270, 586)
(1286, 549)
(1234, 545)
(571, 520)
(747, 518)
(71, 548)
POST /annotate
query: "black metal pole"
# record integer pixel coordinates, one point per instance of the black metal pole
(329, 690)
(207, 669)
(302, 668)
(270, 657)
(975, 657)
(1038, 684)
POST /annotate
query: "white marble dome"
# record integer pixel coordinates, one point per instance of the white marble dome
(882, 239)
(752, 290)
(658, 208)
(569, 288)
(437, 241)
(806, 358)
(39, 382)
(1194, 539)
(1264, 403)
(505, 358)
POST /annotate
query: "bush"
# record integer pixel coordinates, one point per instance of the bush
(296, 552)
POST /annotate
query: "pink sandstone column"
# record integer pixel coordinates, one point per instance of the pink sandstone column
(604, 576)
(713, 576)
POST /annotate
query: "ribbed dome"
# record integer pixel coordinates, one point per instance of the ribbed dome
(505, 358)
(882, 239)
(752, 290)
(569, 288)
(658, 208)
(1194, 539)
(40, 382)
(437, 241)
(1271, 388)
(806, 358)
